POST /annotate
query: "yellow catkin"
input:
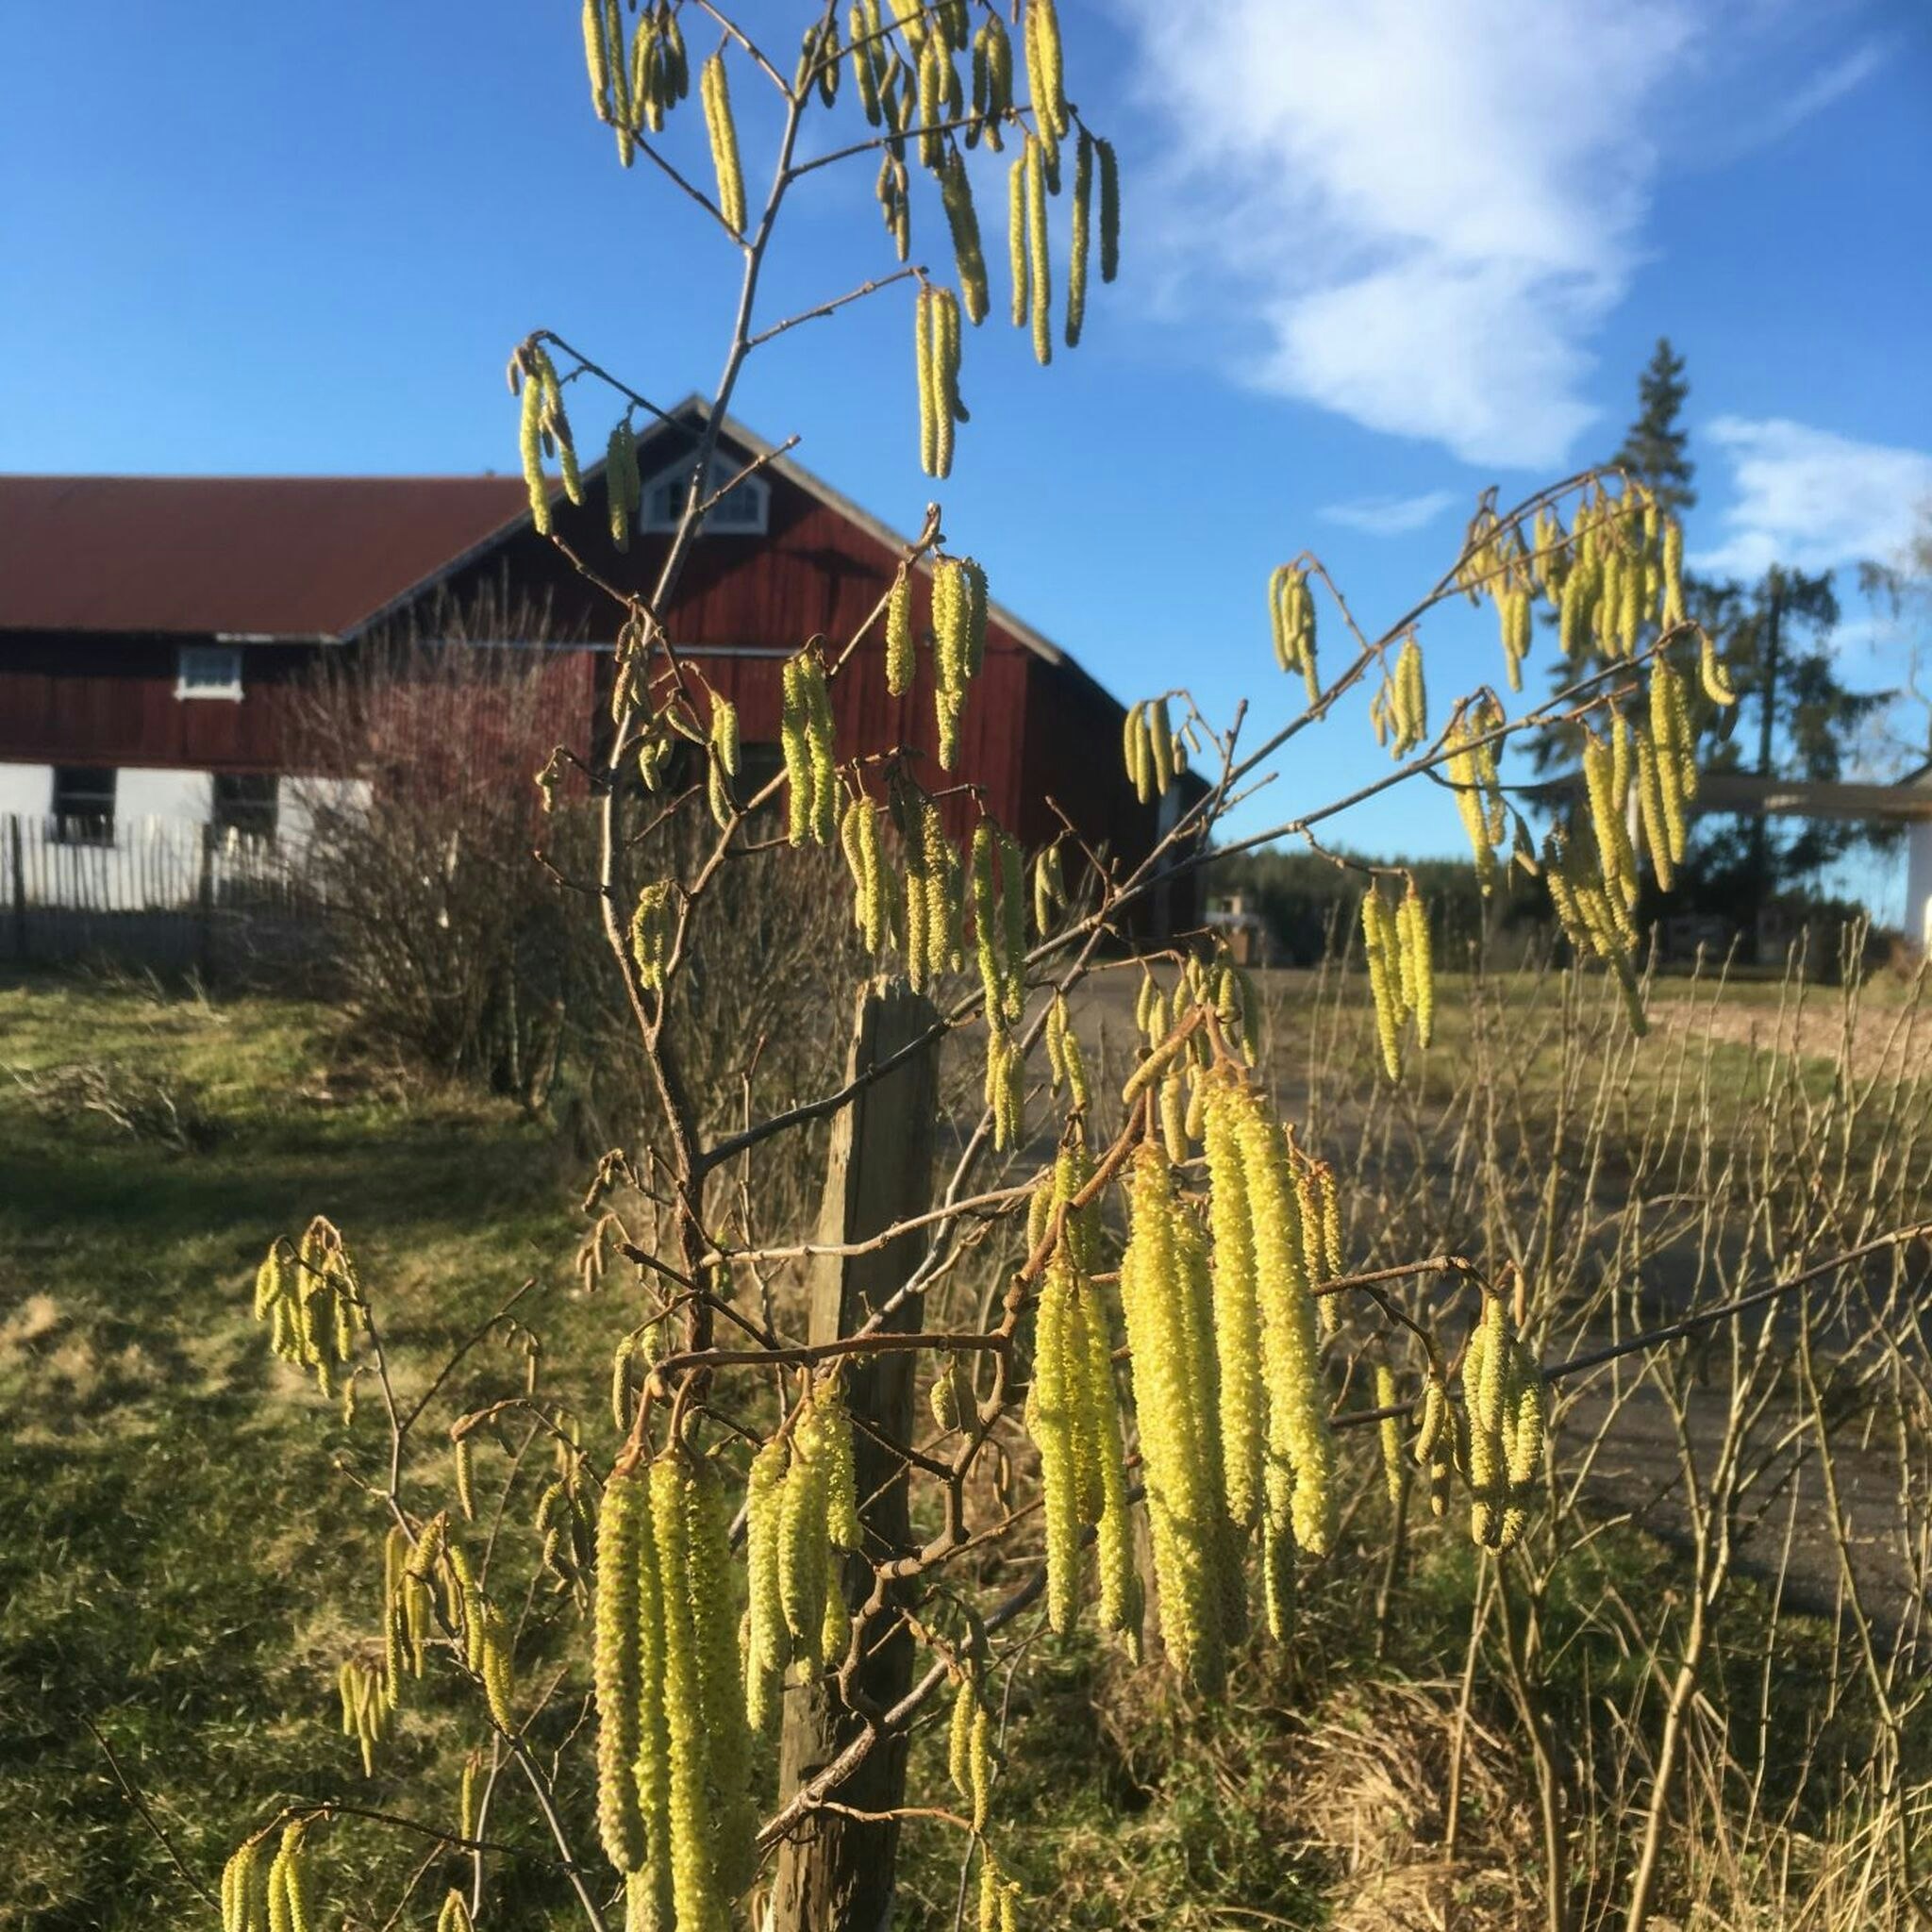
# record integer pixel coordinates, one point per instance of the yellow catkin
(1430, 1431)
(1109, 210)
(1050, 1420)
(616, 1619)
(1467, 774)
(455, 1915)
(598, 59)
(1381, 946)
(1045, 67)
(1080, 245)
(1616, 862)
(926, 371)
(769, 1641)
(979, 1762)
(804, 1565)
(959, 1736)
(1099, 1406)
(1049, 889)
(245, 1889)
(1395, 1475)
(693, 1883)
(715, 91)
(290, 1905)
(1300, 1446)
(1655, 820)
(962, 219)
(937, 346)
(1039, 262)
(899, 657)
(1410, 696)
(1167, 1300)
(649, 1891)
(1134, 754)
(832, 1438)
(712, 1583)
(1160, 742)
(496, 1665)
(798, 767)
(1236, 1307)
(652, 933)
(1418, 970)
(1016, 236)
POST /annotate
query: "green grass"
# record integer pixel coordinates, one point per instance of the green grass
(188, 1550)
(170, 1568)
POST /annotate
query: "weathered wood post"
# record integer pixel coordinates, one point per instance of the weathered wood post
(837, 1873)
(13, 842)
(205, 901)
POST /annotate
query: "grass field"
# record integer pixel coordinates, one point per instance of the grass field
(164, 1569)
(173, 1571)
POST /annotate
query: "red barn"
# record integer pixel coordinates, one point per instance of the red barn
(154, 632)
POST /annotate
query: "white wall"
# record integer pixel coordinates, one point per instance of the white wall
(1918, 921)
(26, 791)
(144, 793)
(297, 801)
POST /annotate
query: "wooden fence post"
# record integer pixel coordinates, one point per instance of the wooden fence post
(19, 886)
(836, 1875)
(205, 903)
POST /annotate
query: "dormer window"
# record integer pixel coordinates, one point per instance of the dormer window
(743, 509)
(207, 671)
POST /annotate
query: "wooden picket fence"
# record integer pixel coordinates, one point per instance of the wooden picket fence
(160, 892)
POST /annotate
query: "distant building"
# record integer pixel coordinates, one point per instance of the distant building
(154, 633)
(1234, 918)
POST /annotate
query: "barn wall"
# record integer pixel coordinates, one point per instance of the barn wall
(747, 601)
(1033, 728)
(111, 701)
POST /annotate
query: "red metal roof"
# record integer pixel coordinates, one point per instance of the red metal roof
(274, 556)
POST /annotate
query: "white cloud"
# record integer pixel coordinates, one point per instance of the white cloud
(1436, 200)
(1389, 516)
(1812, 500)
(1825, 89)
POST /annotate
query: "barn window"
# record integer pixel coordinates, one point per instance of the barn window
(84, 805)
(245, 802)
(743, 508)
(208, 670)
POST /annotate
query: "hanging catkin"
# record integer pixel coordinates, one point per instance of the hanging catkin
(1166, 1298)
(1109, 210)
(1039, 262)
(1389, 1434)
(245, 1889)
(1300, 1445)
(1051, 1421)
(936, 344)
(715, 91)
(768, 1642)
(1080, 243)
(962, 219)
(1236, 1307)
(291, 1906)
(620, 1822)
(1382, 948)
(899, 658)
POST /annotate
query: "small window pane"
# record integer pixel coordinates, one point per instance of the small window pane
(84, 805)
(245, 802)
(209, 671)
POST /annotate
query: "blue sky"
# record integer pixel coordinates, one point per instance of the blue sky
(1378, 254)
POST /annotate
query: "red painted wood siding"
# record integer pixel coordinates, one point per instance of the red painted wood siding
(111, 701)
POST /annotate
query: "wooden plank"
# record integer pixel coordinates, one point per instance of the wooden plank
(837, 1873)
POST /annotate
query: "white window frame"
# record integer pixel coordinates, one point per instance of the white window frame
(228, 688)
(721, 471)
